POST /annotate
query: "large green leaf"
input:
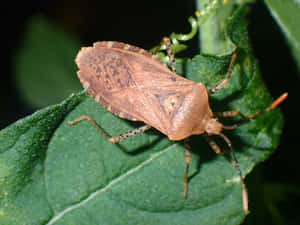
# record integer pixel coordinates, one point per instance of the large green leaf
(53, 173)
(23, 150)
(287, 15)
(45, 64)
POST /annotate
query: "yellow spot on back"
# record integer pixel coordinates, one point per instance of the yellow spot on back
(170, 103)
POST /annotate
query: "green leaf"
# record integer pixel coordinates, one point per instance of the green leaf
(45, 64)
(53, 173)
(287, 15)
(23, 151)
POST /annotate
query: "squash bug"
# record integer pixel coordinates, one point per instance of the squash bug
(134, 84)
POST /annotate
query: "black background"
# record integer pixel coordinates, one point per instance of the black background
(144, 24)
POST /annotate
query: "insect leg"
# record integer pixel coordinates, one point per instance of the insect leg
(229, 114)
(236, 164)
(166, 44)
(115, 138)
(213, 144)
(215, 147)
(90, 119)
(129, 134)
(223, 83)
(187, 166)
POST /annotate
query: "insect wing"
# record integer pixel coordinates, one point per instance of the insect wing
(131, 83)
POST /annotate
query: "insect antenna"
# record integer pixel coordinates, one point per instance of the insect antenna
(237, 165)
(246, 119)
(280, 99)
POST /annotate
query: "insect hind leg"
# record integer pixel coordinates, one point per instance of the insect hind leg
(235, 163)
(165, 44)
(107, 137)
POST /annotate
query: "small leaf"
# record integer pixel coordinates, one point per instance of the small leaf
(54, 173)
(45, 64)
(287, 15)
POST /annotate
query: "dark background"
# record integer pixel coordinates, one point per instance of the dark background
(144, 24)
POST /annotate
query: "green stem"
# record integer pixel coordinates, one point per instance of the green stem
(212, 39)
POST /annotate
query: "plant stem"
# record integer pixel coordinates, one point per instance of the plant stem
(212, 39)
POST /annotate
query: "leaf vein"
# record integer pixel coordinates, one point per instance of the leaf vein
(114, 181)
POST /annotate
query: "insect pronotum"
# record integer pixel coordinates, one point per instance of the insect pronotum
(133, 84)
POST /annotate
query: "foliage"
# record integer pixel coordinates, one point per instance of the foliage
(46, 60)
(51, 173)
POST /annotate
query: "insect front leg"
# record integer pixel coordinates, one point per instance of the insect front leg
(214, 146)
(224, 82)
(107, 137)
(229, 114)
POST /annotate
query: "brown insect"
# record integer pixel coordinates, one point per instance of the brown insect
(133, 84)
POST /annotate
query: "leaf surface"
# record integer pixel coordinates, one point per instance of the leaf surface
(287, 15)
